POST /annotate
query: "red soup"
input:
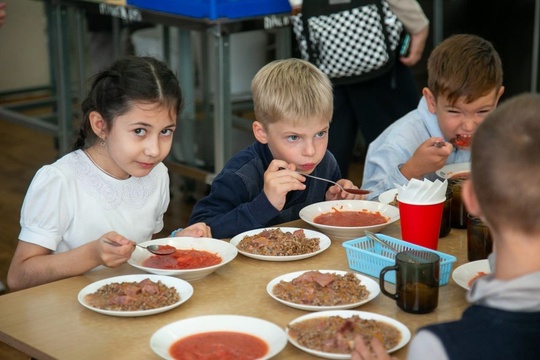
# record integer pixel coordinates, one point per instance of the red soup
(183, 259)
(351, 218)
(223, 345)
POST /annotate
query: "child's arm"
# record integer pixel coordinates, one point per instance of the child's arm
(427, 158)
(34, 265)
(233, 207)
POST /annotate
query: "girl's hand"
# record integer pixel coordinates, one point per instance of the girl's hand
(196, 230)
(335, 193)
(113, 249)
(427, 158)
(279, 179)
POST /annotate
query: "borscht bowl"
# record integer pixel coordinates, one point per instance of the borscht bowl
(194, 259)
(348, 219)
(216, 335)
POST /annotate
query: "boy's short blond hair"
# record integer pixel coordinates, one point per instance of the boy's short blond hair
(291, 89)
(505, 167)
(464, 66)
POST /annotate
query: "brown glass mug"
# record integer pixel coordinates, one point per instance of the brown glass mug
(458, 217)
(417, 281)
(446, 221)
(479, 242)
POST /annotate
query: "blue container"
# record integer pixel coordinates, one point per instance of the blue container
(215, 9)
(370, 257)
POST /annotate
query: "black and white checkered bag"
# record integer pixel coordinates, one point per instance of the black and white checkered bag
(349, 40)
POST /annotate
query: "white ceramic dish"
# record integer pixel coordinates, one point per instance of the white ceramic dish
(388, 196)
(310, 212)
(448, 171)
(273, 335)
(324, 243)
(405, 332)
(464, 273)
(370, 284)
(226, 251)
(184, 289)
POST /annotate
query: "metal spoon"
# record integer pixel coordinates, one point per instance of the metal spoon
(410, 257)
(350, 191)
(374, 237)
(154, 249)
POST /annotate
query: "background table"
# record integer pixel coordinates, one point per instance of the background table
(47, 322)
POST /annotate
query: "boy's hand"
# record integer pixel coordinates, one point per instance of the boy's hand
(199, 229)
(279, 179)
(335, 193)
(429, 157)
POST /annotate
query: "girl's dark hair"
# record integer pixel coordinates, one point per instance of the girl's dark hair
(127, 81)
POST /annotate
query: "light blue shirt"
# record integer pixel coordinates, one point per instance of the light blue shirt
(395, 146)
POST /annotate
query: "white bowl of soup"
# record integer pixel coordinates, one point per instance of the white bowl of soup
(348, 219)
(194, 259)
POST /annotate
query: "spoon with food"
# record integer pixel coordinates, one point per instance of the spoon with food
(154, 249)
(348, 190)
(461, 141)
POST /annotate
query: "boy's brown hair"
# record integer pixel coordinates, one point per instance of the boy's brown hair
(464, 66)
(505, 167)
(293, 89)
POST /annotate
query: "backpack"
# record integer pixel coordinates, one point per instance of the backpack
(349, 40)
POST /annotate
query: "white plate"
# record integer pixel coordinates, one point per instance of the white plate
(405, 332)
(324, 243)
(370, 284)
(310, 212)
(184, 289)
(448, 171)
(464, 273)
(388, 196)
(273, 335)
(214, 246)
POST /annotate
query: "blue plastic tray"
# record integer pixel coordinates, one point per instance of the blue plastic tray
(215, 9)
(370, 257)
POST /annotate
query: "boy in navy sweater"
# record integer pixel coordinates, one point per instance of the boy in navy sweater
(263, 184)
(503, 321)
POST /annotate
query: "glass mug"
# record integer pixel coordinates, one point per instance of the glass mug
(417, 281)
(446, 221)
(458, 217)
(479, 242)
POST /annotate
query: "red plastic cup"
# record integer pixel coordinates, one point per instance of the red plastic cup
(421, 223)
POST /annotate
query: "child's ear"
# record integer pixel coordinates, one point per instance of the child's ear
(470, 200)
(99, 125)
(259, 132)
(430, 100)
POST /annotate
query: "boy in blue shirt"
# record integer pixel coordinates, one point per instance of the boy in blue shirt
(503, 320)
(464, 85)
(263, 184)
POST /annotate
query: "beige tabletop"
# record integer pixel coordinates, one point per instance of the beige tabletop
(47, 322)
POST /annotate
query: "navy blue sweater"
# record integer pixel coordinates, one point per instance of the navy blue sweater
(487, 333)
(237, 203)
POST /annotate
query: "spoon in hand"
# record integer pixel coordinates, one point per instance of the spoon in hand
(154, 249)
(349, 190)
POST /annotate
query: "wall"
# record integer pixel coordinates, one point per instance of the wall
(24, 59)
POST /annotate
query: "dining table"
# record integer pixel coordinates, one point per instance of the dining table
(48, 322)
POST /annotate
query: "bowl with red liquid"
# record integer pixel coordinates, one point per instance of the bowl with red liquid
(194, 258)
(349, 219)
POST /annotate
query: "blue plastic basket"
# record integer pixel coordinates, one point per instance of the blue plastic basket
(370, 257)
(215, 9)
